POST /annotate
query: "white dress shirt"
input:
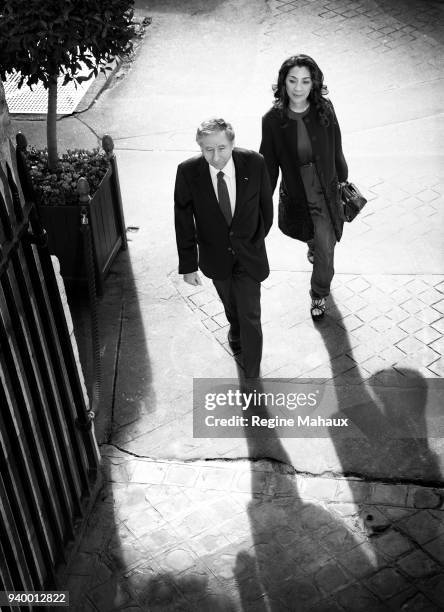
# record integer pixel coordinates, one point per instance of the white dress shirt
(229, 178)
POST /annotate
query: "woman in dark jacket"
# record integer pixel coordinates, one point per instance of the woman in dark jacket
(301, 137)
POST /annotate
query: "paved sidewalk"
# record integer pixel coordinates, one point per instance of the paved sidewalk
(275, 524)
(227, 536)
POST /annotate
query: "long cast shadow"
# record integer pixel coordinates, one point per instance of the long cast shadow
(115, 562)
(95, 575)
(300, 550)
(389, 408)
(305, 557)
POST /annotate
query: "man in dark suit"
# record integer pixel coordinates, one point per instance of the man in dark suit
(223, 211)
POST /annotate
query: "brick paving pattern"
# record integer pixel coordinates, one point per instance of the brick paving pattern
(379, 322)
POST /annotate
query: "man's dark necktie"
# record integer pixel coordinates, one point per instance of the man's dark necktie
(223, 197)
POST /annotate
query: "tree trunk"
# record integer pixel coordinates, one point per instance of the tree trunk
(51, 124)
(5, 128)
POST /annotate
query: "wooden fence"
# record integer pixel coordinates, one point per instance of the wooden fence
(48, 455)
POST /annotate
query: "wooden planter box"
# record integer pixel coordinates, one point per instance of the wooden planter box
(107, 224)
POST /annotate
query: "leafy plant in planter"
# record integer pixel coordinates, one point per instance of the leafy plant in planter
(65, 207)
(44, 39)
(59, 188)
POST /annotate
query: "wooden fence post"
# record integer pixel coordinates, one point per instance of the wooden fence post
(108, 146)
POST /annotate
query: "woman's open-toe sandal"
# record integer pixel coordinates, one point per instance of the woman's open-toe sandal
(317, 308)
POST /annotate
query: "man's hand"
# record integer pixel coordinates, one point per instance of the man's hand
(192, 278)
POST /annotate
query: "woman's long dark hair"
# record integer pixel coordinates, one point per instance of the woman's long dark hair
(318, 89)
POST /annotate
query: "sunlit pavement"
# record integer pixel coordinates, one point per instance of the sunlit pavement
(194, 524)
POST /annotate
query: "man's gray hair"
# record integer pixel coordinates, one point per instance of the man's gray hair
(210, 126)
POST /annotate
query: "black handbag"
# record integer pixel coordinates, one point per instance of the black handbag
(351, 200)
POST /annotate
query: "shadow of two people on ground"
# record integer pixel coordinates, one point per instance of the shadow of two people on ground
(305, 556)
(302, 553)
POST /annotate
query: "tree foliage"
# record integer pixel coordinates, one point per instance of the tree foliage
(41, 39)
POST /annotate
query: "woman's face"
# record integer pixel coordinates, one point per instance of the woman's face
(298, 84)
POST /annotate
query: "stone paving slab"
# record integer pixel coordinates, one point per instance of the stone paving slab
(395, 336)
(256, 536)
(366, 316)
(400, 229)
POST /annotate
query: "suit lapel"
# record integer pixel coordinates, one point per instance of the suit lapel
(241, 179)
(205, 185)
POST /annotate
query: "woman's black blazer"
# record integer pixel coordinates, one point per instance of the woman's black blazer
(280, 150)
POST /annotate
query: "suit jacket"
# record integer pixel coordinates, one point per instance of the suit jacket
(203, 236)
(279, 148)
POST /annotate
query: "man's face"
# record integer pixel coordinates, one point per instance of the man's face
(216, 148)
